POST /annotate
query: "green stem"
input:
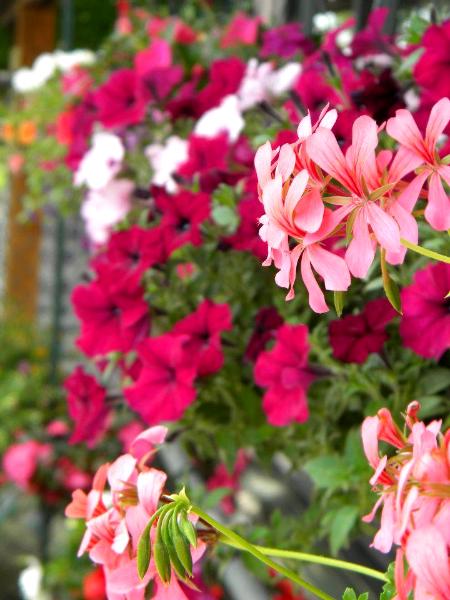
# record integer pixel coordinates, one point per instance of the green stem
(425, 251)
(314, 558)
(242, 544)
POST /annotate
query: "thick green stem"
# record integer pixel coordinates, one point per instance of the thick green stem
(425, 251)
(314, 558)
(242, 544)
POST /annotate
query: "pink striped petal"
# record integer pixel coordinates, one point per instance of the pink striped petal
(295, 192)
(361, 250)
(286, 162)
(316, 297)
(437, 122)
(310, 211)
(437, 211)
(331, 267)
(384, 226)
(323, 149)
(263, 159)
(404, 129)
(427, 555)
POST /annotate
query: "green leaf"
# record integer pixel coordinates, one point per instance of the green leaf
(435, 380)
(174, 558)
(339, 302)
(390, 287)
(225, 217)
(350, 594)
(213, 498)
(389, 590)
(181, 546)
(188, 529)
(224, 195)
(327, 471)
(144, 544)
(341, 525)
(161, 554)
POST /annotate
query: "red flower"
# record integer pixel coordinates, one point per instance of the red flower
(284, 371)
(432, 70)
(267, 321)
(425, 325)
(113, 313)
(94, 585)
(204, 327)
(222, 477)
(157, 75)
(286, 591)
(354, 337)
(183, 213)
(247, 237)
(119, 100)
(21, 460)
(134, 250)
(165, 386)
(205, 154)
(225, 77)
(285, 41)
(87, 407)
(241, 30)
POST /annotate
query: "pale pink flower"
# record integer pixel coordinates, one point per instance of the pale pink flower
(104, 208)
(102, 161)
(226, 118)
(422, 155)
(262, 82)
(165, 160)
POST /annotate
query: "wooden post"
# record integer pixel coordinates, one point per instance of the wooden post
(35, 30)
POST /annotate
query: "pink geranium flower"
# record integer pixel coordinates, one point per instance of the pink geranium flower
(422, 153)
(165, 386)
(413, 493)
(285, 373)
(354, 337)
(87, 407)
(113, 313)
(203, 328)
(425, 325)
(433, 67)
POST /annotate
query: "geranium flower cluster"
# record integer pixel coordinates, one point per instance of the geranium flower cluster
(117, 516)
(414, 485)
(315, 196)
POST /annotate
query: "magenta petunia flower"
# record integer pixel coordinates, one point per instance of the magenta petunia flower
(119, 100)
(285, 41)
(133, 251)
(224, 78)
(285, 373)
(247, 237)
(87, 407)
(113, 313)
(165, 386)
(205, 154)
(354, 337)
(241, 30)
(182, 215)
(203, 328)
(425, 325)
(432, 71)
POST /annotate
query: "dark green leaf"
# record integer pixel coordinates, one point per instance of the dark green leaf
(343, 520)
(181, 546)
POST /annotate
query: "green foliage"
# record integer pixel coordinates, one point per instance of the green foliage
(350, 594)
